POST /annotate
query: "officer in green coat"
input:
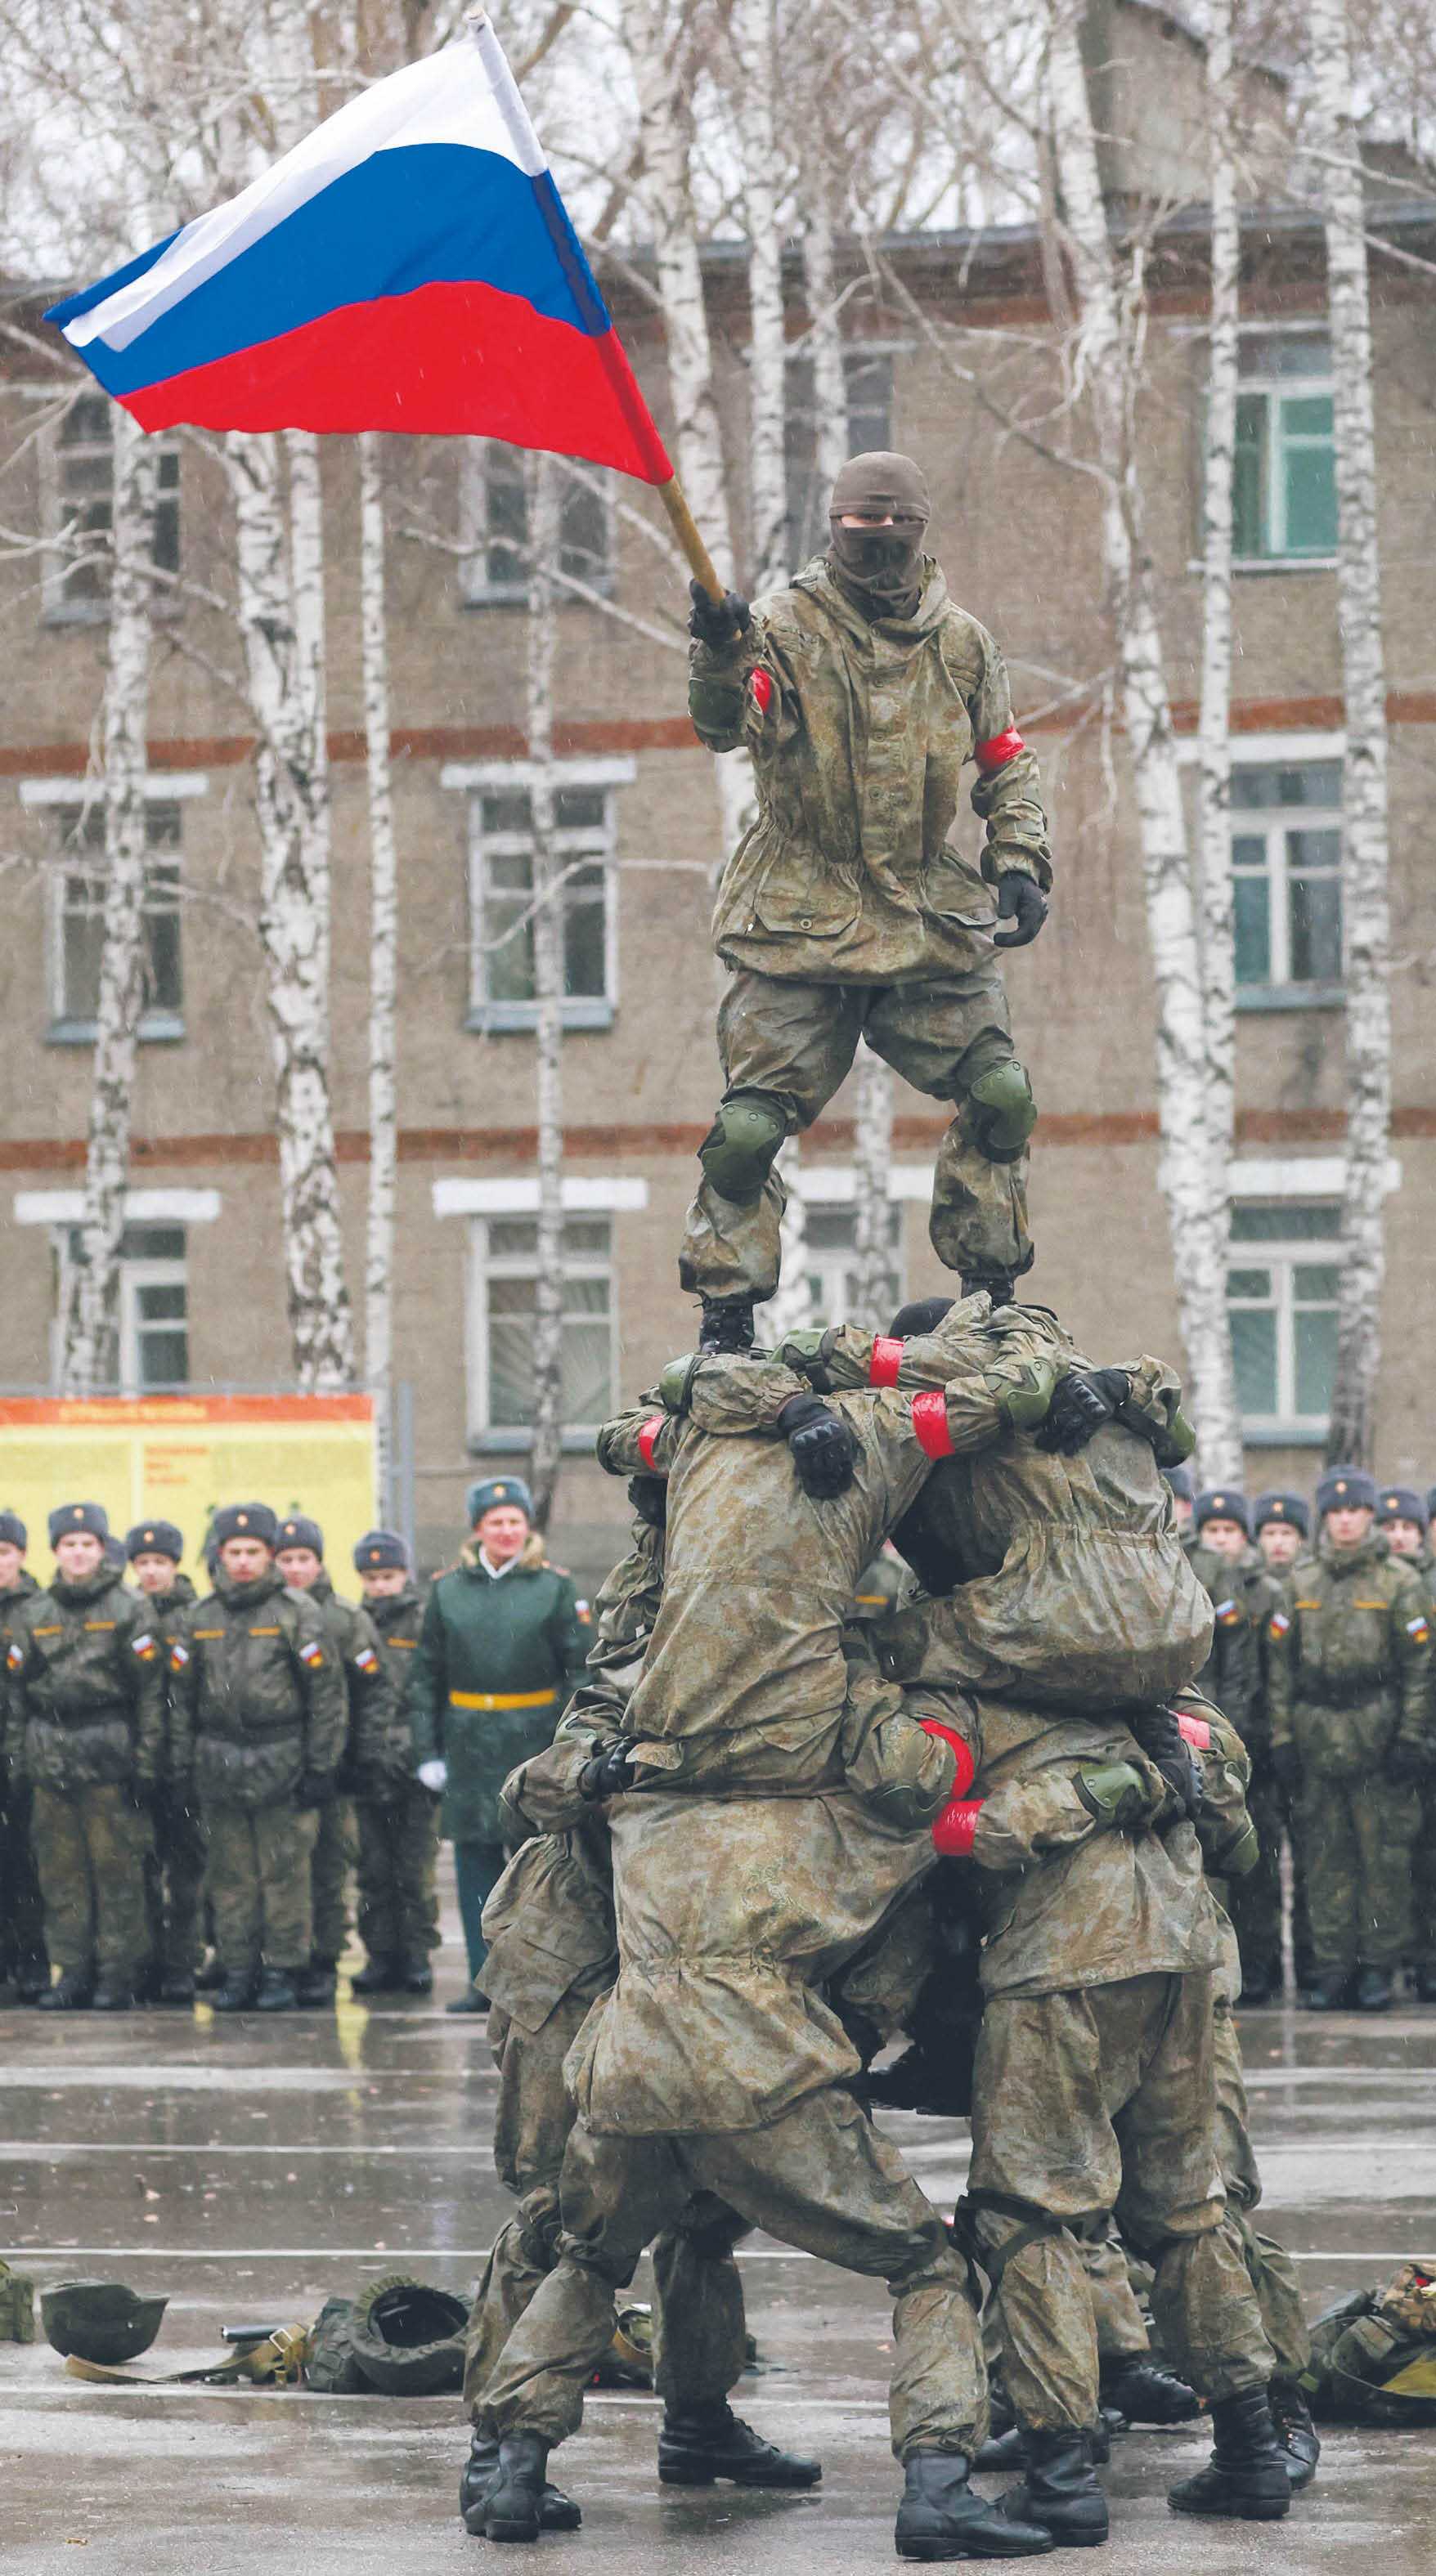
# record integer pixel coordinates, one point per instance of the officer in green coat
(87, 1692)
(861, 691)
(174, 1872)
(503, 1641)
(368, 1758)
(24, 1964)
(398, 1817)
(1404, 1519)
(1351, 1740)
(1243, 1597)
(259, 1720)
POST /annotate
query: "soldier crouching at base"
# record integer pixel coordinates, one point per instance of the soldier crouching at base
(260, 1715)
(861, 691)
(398, 1817)
(86, 1694)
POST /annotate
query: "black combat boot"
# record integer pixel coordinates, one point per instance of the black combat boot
(557, 2512)
(1425, 1984)
(32, 1980)
(237, 1992)
(1295, 2432)
(1004, 2450)
(73, 1993)
(380, 1977)
(314, 1985)
(725, 1326)
(416, 1977)
(1247, 2475)
(177, 1990)
(1059, 2489)
(1373, 1990)
(940, 2517)
(278, 1992)
(1136, 2386)
(699, 2444)
(112, 1994)
(514, 2510)
(211, 1976)
(1329, 1991)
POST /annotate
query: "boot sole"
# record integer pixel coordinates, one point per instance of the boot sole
(936, 2549)
(510, 2530)
(706, 2477)
(1263, 2509)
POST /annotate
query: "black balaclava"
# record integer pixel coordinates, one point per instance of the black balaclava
(880, 569)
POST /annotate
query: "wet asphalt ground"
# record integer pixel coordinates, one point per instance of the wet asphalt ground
(252, 2170)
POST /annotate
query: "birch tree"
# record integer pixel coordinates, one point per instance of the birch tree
(1213, 1374)
(383, 951)
(89, 1353)
(1365, 863)
(548, 957)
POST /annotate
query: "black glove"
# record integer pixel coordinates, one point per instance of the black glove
(610, 1773)
(315, 1789)
(1021, 899)
(1081, 1403)
(1286, 1768)
(719, 622)
(1162, 1740)
(649, 1497)
(1406, 1764)
(823, 1448)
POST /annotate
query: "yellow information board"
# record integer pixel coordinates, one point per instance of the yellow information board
(178, 1456)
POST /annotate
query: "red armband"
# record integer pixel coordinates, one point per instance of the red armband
(886, 1360)
(966, 1767)
(648, 1436)
(953, 1830)
(997, 753)
(761, 685)
(1195, 1731)
(929, 1422)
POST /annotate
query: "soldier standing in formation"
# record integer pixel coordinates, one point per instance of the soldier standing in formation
(174, 1868)
(86, 1703)
(1404, 1520)
(1281, 1524)
(24, 1960)
(861, 691)
(398, 1821)
(1244, 1594)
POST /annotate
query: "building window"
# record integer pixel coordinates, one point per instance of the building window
(1284, 489)
(501, 882)
(152, 1340)
(494, 524)
(829, 1239)
(1281, 1298)
(869, 375)
(504, 1284)
(1286, 859)
(77, 922)
(82, 479)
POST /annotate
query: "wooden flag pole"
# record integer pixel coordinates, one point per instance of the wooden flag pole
(685, 529)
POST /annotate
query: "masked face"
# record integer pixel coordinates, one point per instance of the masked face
(878, 520)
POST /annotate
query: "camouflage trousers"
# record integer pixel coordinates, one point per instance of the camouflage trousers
(174, 1887)
(1359, 1840)
(398, 1858)
(700, 2340)
(336, 1850)
(1088, 2103)
(1270, 2268)
(90, 1846)
(819, 2177)
(797, 1042)
(259, 1886)
(1254, 1902)
(22, 1908)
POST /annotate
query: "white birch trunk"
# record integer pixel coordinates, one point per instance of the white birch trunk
(548, 942)
(283, 642)
(756, 37)
(1107, 367)
(1209, 1346)
(872, 1164)
(1365, 859)
(383, 955)
(90, 1325)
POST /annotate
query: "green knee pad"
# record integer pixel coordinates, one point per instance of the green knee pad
(740, 1148)
(1002, 1112)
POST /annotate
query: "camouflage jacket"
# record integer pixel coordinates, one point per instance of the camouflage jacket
(11, 1600)
(1243, 1596)
(396, 1617)
(87, 1684)
(859, 733)
(170, 1612)
(1350, 1659)
(257, 1694)
(370, 1754)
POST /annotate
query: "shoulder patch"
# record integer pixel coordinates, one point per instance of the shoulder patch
(16, 1655)
(144, 1647)
(312, 1654)
(1278, 1623)
(1419, 1628)
(366, 1660)
(179, 1656)
(1228, 1613)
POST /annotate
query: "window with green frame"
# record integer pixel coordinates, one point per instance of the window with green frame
(1281, 1302)
(1286, 876)
(1284, 482)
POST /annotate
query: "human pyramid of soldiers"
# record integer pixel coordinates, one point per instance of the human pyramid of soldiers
(773, 1834)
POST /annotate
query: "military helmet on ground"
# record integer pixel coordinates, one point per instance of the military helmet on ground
(100, 2320)
(408, 2338)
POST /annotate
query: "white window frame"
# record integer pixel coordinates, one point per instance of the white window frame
(37, 795)
(1271, 824)
(59, 605)
(512, 1439)
(476, 779)
(476, 590)
(1273, 386)
(1286, 1428)
(137, 1271)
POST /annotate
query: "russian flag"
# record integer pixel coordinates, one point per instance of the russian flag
(410, 266)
